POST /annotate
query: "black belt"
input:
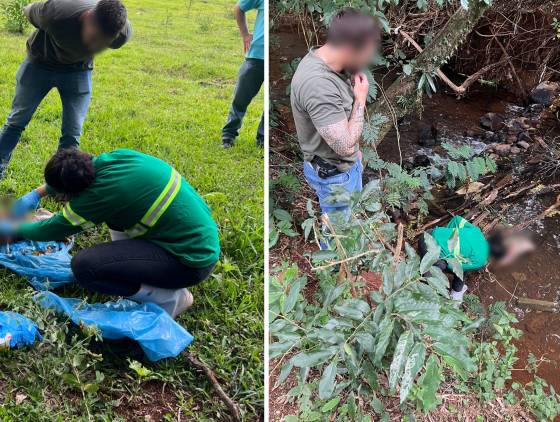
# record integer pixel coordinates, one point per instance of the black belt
(324, 170)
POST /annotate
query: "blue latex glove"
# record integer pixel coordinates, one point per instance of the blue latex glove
(7, 228)
(27, 203)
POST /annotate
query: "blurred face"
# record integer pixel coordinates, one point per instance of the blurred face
(92, 37)
(356, 60)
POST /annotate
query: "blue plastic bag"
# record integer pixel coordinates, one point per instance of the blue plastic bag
(45, 264)
(17, 331)
(157, 333)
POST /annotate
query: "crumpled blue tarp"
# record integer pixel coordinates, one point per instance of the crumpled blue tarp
(157, 333)
(44, 272)
(17, 331)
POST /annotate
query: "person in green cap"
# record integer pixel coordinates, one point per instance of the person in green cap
(251, 73)
(472, 249)
(164, 236)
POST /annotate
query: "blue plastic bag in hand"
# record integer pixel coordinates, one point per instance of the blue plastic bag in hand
(157, 333)
(17, 331)
(45, 264)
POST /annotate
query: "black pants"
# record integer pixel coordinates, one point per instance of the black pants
(456, 284)
(249, 83)
(119, 268)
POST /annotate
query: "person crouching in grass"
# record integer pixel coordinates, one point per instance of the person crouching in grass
(164, 237)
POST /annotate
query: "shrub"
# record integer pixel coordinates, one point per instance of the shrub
(15, 19)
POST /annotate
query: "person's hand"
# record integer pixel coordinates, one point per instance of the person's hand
(247, 40)
(27, 203)
(361, 87)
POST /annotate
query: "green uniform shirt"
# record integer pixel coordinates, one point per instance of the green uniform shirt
(126, 185)
(472, 247)
(320, 97)
(57, 42)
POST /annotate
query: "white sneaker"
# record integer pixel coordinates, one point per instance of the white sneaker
(172, 301)
(458, 296)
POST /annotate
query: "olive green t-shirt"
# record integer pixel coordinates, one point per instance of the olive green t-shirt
(126, 185)
(320, 97)
(57, 42)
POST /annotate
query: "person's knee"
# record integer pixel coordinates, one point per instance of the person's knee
(82, 266)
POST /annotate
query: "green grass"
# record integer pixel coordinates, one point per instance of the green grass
(166, 93)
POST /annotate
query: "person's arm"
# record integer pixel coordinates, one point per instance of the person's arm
(345, 135)
(123, 37)
(241, 19)
(55, 228)
(35, 14)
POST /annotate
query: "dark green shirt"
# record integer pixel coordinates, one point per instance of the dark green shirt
(471, 249)
(57, 42)
(126, 185)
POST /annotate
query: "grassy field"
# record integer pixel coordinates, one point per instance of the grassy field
(166, 93)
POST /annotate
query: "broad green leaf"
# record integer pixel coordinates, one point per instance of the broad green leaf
(309, 360)
(399, 358)
(278, 348)
(333, 294)
(456, 267)
(446, 335)
(377, 405)
(383, 338)
(432, 255)
(284, 373)
(371, 374)
(326, 385)
(293, 295)
(429, 383)
(282, 215)
(439, 286)
(407, 68)
(400, 275)
(349, 312)
(456, 355)
(414, 363)
(376, 296)
(367, 341)
(330, 405)
(388, 281)
(324, 255)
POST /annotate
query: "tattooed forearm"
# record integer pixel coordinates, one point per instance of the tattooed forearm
(343, 136)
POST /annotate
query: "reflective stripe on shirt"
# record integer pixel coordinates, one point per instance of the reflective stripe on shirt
(75, 219)
(158, 208)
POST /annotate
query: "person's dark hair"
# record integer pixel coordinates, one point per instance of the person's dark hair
(497, 248)
(110, 16)
(352, 27)
(70, 172)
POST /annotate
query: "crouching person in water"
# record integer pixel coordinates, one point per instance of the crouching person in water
(473, 250)
(164, 237)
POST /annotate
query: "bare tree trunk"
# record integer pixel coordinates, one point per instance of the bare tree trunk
(437, 53)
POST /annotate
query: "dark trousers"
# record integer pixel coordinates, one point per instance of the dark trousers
(33, 84)
(119, 268)
(456, 284)
(249, 82)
